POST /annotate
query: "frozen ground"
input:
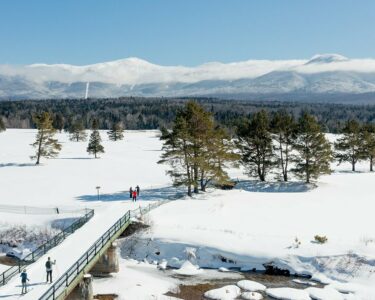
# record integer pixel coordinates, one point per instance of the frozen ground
(244, 228)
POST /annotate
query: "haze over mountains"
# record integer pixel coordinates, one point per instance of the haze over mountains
(327, 77)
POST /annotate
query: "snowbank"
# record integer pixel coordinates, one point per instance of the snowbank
(326, 293)
(251, 286)
(228, 292)
(288, 294)
(188, 269)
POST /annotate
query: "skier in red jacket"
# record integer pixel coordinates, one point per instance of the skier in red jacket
(135, 196)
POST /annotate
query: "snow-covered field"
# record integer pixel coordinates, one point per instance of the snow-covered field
(244, 228)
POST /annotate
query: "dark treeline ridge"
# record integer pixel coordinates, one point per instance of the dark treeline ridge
(154, 113)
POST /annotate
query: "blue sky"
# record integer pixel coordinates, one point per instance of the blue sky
(176, 32)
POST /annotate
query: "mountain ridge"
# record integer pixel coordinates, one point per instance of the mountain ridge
(321, 75)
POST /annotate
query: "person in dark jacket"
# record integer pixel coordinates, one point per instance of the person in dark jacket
(131, 192)
(135, 196)
(48, 265)
(24, 280)
(138, 190)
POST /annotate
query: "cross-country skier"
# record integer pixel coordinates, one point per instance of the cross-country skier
(24, 280)
(49, 264)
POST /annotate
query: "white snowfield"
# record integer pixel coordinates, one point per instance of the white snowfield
(71, 180)
(246, 227)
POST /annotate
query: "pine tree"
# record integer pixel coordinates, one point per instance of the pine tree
(117, 132)
(196, 150)
(255, 143)
(77, 132)
(314, 150)
(220, 153)
(95, 146)
(45, 144)
(177, 152)
(200, 125)
(284, 133)
(368, 143)
(2, 125)
(59, 122)
(348, 148)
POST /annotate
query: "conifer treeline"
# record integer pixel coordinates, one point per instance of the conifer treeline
(154, 113)
(198, 150)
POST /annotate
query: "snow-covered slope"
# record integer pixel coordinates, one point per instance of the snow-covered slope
(322, 74)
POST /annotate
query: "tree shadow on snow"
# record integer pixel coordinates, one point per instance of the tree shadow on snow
(78, 158)
(350, 172)
(274, 187)
(17, 165)
(9, 295)
(152, 194)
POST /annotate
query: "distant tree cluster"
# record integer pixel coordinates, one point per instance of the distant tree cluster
(46, 145)
(197, 150)
(356, 143)
(267, 144)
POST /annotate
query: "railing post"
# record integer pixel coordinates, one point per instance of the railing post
(67, 280)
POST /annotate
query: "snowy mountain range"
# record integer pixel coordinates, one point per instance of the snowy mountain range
(322, 76)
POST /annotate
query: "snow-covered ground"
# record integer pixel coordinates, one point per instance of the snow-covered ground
(253, 224)
(69, 183)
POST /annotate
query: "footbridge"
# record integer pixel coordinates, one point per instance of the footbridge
(100, 256)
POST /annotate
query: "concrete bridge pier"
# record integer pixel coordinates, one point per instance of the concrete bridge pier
(107, 263)
(83, 291)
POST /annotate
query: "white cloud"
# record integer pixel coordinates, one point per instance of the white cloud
(134, 71)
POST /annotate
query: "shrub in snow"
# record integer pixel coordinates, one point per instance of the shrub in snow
(25, 236)
(296, 243)
(320, 239)
(288, 294)
(251, 296)
(367, 240)
(252, 286)
(228, 292)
